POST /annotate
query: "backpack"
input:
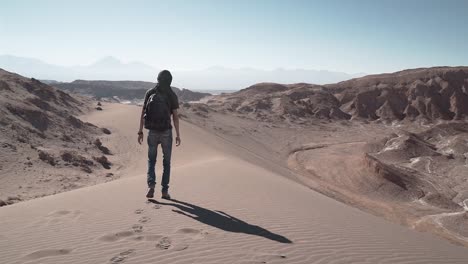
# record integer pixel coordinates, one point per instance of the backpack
(157, 112)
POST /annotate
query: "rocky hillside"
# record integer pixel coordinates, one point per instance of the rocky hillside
(29, 106)
(420, 94)
(126, 90)
(429, 94)
(267, 101)
(428, 169)
(429, 166)
(42, 140)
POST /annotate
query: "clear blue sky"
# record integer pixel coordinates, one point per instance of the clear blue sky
(351, 36)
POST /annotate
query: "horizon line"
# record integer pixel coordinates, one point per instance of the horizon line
(215, 66)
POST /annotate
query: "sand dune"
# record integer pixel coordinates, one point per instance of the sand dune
(226, 210)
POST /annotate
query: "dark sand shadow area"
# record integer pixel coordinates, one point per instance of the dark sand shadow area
(221, 220)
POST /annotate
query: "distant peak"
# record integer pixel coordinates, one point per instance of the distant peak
(108, 60)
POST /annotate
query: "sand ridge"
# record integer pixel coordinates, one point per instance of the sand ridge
(226, 210)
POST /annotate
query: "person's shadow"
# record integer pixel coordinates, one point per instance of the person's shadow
(221, 220)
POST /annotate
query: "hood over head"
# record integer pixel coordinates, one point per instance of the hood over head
(165, 78)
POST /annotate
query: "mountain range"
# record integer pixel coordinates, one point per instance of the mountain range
(121, 90)
(213, 78)
(423, 94)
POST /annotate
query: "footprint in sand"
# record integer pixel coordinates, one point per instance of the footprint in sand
(144, 219)
(193, 233)
(59, 213)
(48, 253)
(63, 213)
(137, 228)
(122, 256)
(157, 206)
(164, 243)
(116, 236)
(56, 217)
(180, 247)
(139, 211)
(148, 238)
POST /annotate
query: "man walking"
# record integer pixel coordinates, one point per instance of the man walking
(160, 104)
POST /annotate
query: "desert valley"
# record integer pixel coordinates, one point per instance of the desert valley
(369, 170)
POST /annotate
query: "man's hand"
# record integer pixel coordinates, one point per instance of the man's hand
(140, 137)
(177, 141)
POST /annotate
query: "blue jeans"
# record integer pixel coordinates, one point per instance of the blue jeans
(154, 139)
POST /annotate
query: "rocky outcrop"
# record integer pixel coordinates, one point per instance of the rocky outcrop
(30, 107)
(429, 94)
(429, 166)
(270, 101)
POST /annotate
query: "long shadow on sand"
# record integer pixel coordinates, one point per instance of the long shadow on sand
(221, 220)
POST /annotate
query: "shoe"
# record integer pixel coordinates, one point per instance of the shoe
(165, 195)
(150, 193)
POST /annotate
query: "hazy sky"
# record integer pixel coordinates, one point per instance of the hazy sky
(349, 36)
